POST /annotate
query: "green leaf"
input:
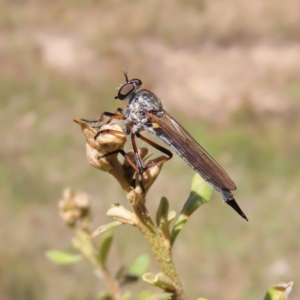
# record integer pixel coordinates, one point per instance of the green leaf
(160, 296)
(105, 247)
(159, 280)
(104, 228)
(63, 258)
(122, 214)
(140, 265)
(120, 273)
(144, 295)
(126, 295)
(164, 218)
(162, 212)
(201, 193)
(279, 291)
(105, 296)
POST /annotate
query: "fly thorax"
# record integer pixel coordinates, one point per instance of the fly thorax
(135, 112)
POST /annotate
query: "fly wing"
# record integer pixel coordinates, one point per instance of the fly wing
(174, 135)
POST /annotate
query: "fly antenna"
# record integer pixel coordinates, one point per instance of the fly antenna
(126, 76)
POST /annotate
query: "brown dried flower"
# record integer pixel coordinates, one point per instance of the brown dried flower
(102, 153)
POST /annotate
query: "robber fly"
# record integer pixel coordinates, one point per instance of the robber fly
(145, 112)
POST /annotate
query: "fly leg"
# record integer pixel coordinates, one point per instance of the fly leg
(153, 163)
(125, 155)
(117, 115)
(116, 132)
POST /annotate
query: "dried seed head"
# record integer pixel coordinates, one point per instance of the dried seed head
(82, 201)
(89, 132)
(93, 159)
(69, 217)
(111, 138)
(150, 176)
(73, 207)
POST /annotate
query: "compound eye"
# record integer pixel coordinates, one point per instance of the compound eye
(128, 88)
(136, 82)
(125, 91)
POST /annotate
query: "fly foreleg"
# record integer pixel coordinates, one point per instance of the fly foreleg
(117, 115)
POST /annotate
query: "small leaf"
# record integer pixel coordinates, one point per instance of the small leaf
(279, 291)
(160, 296)
(201, 193)
(171, 216)
(164, 218)
(105, 247)
(105, 296)
(162, 212)
(165, 224)
(104, 228)
(120, 273)
(126, 295)
(63, 258)
(144, 295)
(127, 279)
(82, 243)
(159, 280)
(140, 265)
(122, 214)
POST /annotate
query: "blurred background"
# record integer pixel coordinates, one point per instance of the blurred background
(228, 71)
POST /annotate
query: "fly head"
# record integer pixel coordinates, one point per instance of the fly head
(128, 89)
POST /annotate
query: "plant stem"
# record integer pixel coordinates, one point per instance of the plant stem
(87, 249)
(160, 247)
(111, 283)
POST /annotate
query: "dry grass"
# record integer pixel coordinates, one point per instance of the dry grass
(229, 71)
